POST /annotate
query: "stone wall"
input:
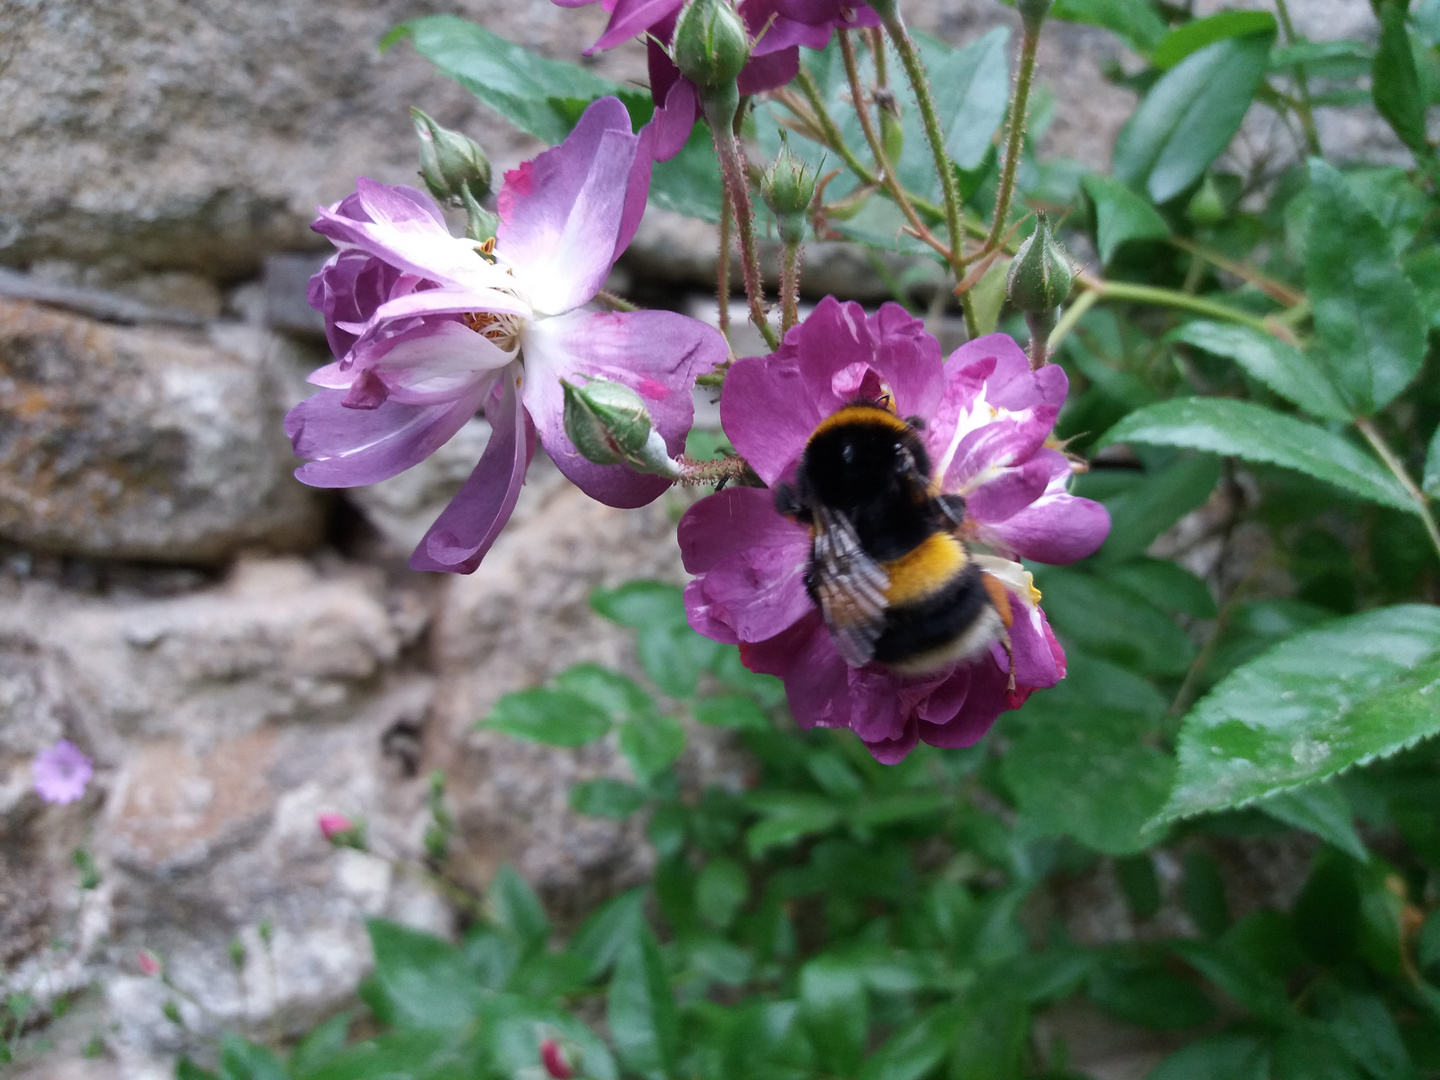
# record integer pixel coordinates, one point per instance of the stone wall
(239, 653)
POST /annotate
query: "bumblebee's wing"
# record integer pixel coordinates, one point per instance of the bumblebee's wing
(850, 586)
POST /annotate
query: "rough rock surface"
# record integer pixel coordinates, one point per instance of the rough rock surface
(140, 444)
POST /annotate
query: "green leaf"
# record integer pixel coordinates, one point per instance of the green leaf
(971, 88)
(606, 797)
(617, 694)
(1148, 994)
(1361, 1023)
(638, 604)
(914, 1051)
(511, 1025)
(731, 711)
(1196, 34)
(721, 891)
(1190, 116)
(1140, 885)
(651, 745)
(1307, 1051)
(540, 96)
(1095, 778)
(516, 908)
(606, 933)
(1228, 1055)
(545, 716)
(321, 1043)
(1283, 368)
(1394, 80)
(641, 1010)
(1320, 809)
(1141, 514)
(1259, 991)
(1121, 215)
(242, 1060)
(1350, 691)
(1134, 20)
(992, 1040)
(1255, 433)
(671, 653)
(1110, 620)
(690, 183)
(835, 1012)
(1202, 891)
(1168, 585)
(1327, 911)
(1431, 483)
(788, 817)
(1325, 59)
(1370, 333)
(419, 981)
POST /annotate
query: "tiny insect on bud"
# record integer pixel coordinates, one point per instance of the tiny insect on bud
(1040, 275)
(452, 165)
(552, 1056)
(711, 44)
(609, 425)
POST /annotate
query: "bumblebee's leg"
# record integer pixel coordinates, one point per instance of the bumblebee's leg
(787, 503)
(953, 508)
(1010, 652)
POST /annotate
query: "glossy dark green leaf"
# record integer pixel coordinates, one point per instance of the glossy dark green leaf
(638, 604)
(651, 744)
(1259, 991)
(540, 96)
(1227, 1055)
(1190, 116)
(546, 716)
(1168, 585)
(606, 797)
(1361, 1024)
(1166, 495)
(1352, 690)
(1121, 215)
(1195, 35)
(835, 1012)
(419, 980)
(1320, 809)
(1283, 368)
(1307, 1051)
(1370, 333)
(1394, 81)
(1149, 994)
(641, 1010)
(917, 1049)
(1136, 21)
(613, 926)
(720, 891)
(241, 1059)
(516, 908)
(1110, 620)
(971, 88)
(1096, 778)
(618, 695)
(1252, 432)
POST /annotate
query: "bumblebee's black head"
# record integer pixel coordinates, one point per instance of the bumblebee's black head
(860, 454)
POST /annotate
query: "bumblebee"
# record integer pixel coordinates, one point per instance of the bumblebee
(893, 581)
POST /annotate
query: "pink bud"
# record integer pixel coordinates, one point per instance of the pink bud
(554, 1060)
(331, 825)
(149, 966)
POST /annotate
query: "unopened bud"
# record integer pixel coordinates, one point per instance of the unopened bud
(552, 1056)
(609, 425)
(1040, 275)
(1207, 205)
(172, 1013)
(1032, 13)
(710, 45)
(341, 831)
(148, 962)
(451, 164)
(237, 954)
(788, 187)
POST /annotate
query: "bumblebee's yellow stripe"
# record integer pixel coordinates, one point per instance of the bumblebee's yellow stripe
(924, 570)
(862, 414)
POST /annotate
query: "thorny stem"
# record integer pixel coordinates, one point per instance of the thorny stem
(732, 167)
(693, 471)
(722, 274)
(1304, 108)
(915, 73)
(1397, 468)
(789, 286)
(1019, 103)
(886, 170)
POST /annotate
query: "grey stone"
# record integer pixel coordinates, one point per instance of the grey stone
(140, 444)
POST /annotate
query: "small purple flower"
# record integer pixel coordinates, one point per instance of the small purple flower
(778, 28)
(427, 329)
(61, 772)
(987, 418)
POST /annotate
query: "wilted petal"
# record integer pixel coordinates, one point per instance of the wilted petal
(467, 528)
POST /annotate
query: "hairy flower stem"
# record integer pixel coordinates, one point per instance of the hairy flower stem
(915, 73)
(828, 128)
(722, 273)
(789, 286)
(737, 186)
(713, 471)
(1397, 469)
(1019, 103)
(1039, 324)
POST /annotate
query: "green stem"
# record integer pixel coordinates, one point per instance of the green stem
(1152, 294)
(833, 139)
(915, 73)
(1019, 103)
(1072, 315)
(1397, 469)
(1304, 109)
(732, 168)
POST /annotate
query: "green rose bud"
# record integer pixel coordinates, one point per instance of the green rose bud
(609, 425)
(452, 165)
(788, 187)
(710, 45)
(1207, 205)
(1040, 275)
